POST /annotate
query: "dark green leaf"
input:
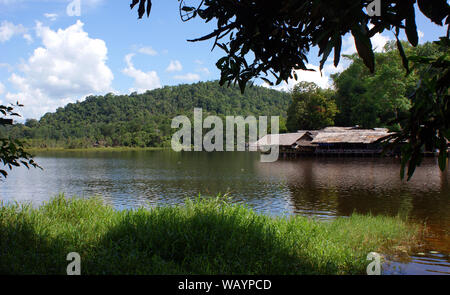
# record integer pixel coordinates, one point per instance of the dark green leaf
(436, 10)
(411, 27)
(405, 61)
(364, 47)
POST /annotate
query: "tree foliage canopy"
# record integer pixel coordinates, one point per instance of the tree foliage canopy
(12, 153)
(312, 108)
(428, 124)
(274, 37)
(143, 120)
(379, 99)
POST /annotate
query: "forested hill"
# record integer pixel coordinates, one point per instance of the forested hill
(144, 119)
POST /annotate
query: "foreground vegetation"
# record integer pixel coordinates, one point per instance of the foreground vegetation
(200, 237)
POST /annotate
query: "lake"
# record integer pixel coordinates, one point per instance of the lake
(322, 188)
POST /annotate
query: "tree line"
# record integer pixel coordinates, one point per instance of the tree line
(142, 120)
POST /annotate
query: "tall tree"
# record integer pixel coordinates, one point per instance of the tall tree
(428, 125)
(379, 99)
(312, 108)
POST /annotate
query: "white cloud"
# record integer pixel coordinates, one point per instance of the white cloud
(28, 38)
(69, 66)
(378, 42)
(204, 70)
(421, 34)
(2, 88)
(51, 16)
(174, 66)
(148, 50)
(330, 69)
(189, 77)
(323, 80)
(142, 81)
(8, 30)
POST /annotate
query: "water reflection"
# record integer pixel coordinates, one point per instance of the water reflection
(426, 264)
(338, 187)
(319, 187)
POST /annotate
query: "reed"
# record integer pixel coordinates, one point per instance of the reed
(203, 236)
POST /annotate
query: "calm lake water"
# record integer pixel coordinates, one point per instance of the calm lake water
(318, 187)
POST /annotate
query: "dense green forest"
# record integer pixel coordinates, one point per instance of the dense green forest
(143, 120)
(381, 99)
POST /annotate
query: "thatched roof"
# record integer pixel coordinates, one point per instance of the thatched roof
(326, 135)
(350, 136)
(286, 139)
(352, 129)
(305, 143)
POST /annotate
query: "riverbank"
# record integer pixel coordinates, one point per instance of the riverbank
(96, 149)
(200, 237)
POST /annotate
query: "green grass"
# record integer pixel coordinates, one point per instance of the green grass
(206, 236)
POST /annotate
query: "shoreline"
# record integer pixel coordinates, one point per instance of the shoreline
(96, 149)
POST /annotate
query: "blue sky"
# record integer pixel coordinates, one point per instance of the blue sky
(49, 58)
